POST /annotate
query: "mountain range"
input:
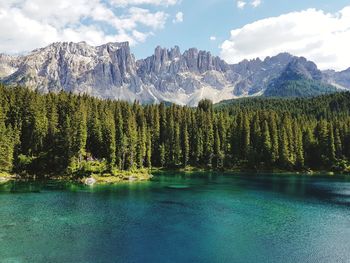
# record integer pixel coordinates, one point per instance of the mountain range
(111, 71)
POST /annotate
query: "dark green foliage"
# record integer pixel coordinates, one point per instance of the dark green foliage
(8, 139)
(325, 106)
(58, 133)
(298, 88)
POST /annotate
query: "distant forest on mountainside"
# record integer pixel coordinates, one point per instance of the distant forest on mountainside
(61, 133)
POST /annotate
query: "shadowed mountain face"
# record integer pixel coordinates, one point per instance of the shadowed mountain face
(111, 71)
(300, 78)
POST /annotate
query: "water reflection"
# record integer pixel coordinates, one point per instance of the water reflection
(326, 189)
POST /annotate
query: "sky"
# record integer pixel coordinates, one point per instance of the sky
(232, 29)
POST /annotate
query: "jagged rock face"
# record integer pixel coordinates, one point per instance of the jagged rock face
(301, 68)
(111, 71)
(170, 71)
(78, 68)
(340, 79)
(257, 74)
(8, 65)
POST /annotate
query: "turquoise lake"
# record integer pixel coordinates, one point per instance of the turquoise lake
(179, 218)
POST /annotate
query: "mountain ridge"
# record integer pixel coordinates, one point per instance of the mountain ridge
(111, 71)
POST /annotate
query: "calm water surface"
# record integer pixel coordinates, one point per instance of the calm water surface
(178, 218)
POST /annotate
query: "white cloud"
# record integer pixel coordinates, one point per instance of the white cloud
(144, 2)
(212, 38)
(256, 3)
(29, 24)
(143, 16)
(179, 18)
(241, 4)
(319, 36)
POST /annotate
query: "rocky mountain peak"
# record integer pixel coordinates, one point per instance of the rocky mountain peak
(111, 71)
(279, 58)
(299, 68)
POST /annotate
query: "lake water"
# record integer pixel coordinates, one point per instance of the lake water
(179, 218)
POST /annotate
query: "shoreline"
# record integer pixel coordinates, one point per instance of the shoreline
(6, 177)
(146, 175)
(93, 179)
(121, 178)
(310, 172)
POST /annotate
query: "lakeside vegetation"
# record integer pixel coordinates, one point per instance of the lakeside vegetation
(78, 136)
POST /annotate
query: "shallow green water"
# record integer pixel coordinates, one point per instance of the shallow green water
(178, 218)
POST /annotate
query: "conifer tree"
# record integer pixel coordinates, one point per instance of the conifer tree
(338, 142)
(331, 144)
(267, 145)
(79, 129)
(6, 145)
(177, 144)
(185, 144)
(274, 139)
(94, 140)
(120, 139)
(245, 137)
(108, 138)
(162, 155)
(148, 157)
(131, 131)
(284, 149)
(299, 149)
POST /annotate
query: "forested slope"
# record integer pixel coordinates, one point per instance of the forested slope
(62, 133)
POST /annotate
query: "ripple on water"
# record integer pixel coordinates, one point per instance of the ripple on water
(12, 260)
(178, 186)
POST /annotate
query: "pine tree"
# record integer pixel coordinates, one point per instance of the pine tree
(177, 145)
(284, 149)
(79, 129)
(217, 150)
(170, 131)
(338, 142)
(274, 139)
(108, 138)
(155, 131)
(323, 141)
(6, 145)
(148, 158)
(141, 146)
(208, 142)
(267, 145)
(206, 105)
(331, 144)
(131, 132)
(162, 155)
(94, 140)
(198, 143)
(120, 139)
(300, 160)
(65, 143)
(185, 144)
(256, 133)
(245, 137)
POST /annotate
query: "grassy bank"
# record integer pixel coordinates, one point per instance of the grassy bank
(94, 171)
(99, 172)
(5, 177)
(120, 176)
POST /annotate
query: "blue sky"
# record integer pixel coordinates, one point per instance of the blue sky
(205, 18)
(232, 29)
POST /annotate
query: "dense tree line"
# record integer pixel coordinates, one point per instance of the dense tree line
(298, 88)
(54, 133)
